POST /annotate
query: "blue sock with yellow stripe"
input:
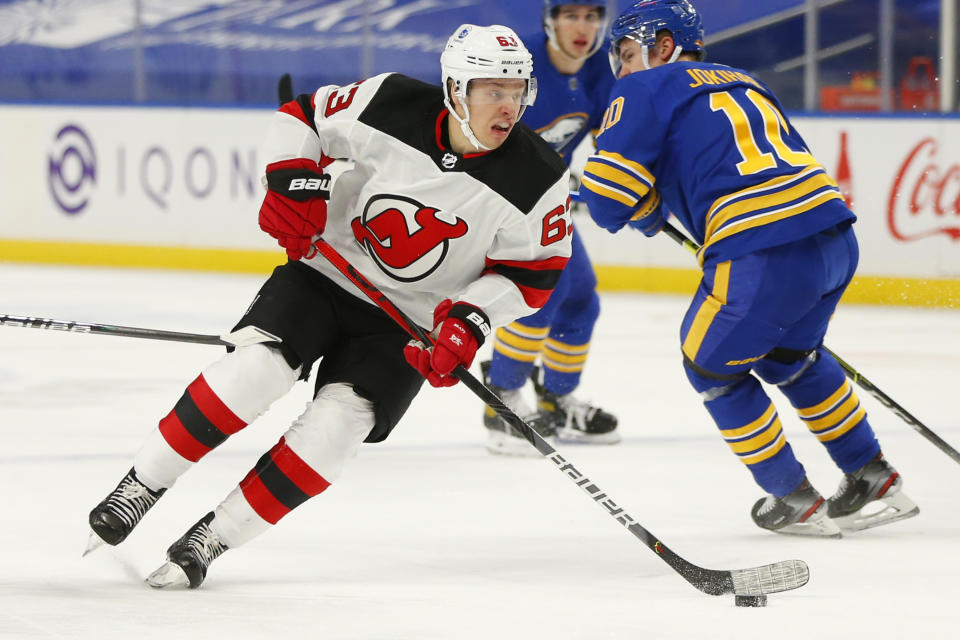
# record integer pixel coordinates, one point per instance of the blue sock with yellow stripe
(515, 351)
(750, 425)
(826, 402)
(563, 364)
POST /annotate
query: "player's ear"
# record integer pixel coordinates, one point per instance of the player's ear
(665, 46)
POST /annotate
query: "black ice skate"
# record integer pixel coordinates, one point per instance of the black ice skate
(575, 420)
(113, 519)
(503, 439)
(189, 557)
(802, 512)
(876, 484)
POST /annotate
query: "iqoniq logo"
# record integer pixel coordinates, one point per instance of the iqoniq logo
(73, 169)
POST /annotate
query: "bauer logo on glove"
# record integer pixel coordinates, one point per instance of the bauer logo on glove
(319, 186)
(458, 330)
(294, 209)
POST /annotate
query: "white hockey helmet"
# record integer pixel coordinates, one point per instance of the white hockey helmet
(474, 52)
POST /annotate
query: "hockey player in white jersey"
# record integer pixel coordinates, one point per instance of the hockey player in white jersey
(457, 212)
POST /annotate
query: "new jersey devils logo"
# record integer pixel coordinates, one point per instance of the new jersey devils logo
(406, 239)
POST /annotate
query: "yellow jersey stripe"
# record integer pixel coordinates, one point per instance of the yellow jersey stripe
(627, 181)
(773, 184)
(708, 311)
(723, 215)
(629, 165)
(607, 192)
(769, 217)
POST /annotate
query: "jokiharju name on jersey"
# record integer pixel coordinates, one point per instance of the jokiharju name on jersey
(421, 222)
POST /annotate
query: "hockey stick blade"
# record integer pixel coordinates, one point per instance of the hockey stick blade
(771, 578)
(241, 337)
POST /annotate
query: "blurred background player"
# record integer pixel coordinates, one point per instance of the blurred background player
(572, 89)
(481, 194)
(777, 252)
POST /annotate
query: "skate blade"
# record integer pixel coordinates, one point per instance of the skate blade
(572, 436)
(170, 575)
(94, 542)
(893, 508)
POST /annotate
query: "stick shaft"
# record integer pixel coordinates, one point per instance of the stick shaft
(108, 329)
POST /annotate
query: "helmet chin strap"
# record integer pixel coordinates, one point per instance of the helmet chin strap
(465, 123)
(465, 126)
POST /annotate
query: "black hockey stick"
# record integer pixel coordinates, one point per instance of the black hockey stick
(771, 578)
(852, 373)
(239, 338)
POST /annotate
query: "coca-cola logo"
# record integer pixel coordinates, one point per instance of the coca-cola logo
(925, 198)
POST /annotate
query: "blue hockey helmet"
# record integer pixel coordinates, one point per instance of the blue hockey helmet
(642, 20)
(551, 7)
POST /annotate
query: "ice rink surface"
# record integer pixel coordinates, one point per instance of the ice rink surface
(427, 536)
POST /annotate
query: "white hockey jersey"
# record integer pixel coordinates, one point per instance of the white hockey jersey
(421, 222)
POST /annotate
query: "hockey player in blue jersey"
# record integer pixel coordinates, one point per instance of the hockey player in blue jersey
(711, 144)
(573, 85)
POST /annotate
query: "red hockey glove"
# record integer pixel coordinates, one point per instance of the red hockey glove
(459, 330)
(648, 217)
(295, 207)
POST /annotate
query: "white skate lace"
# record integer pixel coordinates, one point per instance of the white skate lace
(768, 505)
(130, 501)
(577, 412)
(205, 544)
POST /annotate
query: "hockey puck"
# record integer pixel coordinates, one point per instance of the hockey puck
(751, 601)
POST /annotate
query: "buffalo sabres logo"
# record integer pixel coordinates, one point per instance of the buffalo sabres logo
(561, 131)
(406, 239)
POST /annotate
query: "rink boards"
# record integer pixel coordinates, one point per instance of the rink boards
(180, 188)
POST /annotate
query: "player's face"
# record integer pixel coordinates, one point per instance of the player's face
(631, 57)
(576, 27)
(495, 108)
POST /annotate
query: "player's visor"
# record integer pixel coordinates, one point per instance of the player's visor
(516, 92)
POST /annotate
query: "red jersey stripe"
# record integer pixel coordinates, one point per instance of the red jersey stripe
(535, 298)
(294, 109)
(556, 262)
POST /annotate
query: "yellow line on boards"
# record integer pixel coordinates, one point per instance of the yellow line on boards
(916, 292)
(919, 292)
(149, 257)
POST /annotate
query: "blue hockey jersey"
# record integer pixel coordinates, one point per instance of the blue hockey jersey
(567, 106)
(713, 141)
